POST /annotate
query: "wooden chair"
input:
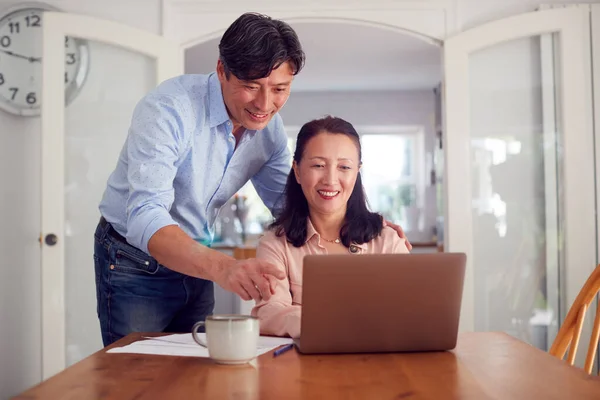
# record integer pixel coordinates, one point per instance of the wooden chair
(570, 331)
(241, 253)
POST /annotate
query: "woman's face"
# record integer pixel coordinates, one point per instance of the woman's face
(327, 172)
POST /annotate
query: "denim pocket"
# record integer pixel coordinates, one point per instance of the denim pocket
(136, 262)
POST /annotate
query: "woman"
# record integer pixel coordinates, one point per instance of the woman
(325, 213)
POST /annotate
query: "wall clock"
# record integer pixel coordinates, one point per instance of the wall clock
(21, 61)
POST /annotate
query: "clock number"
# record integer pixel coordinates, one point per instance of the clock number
(14, 27)
(70, 58)
(34, 20)
(66, 77)
(1, 79)
(31, 99)
(66, 41)
(14, 90)
(5, 41)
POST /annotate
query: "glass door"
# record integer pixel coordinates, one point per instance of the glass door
(117, 65)
(520, 170)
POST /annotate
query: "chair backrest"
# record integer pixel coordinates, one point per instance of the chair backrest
(241, 253)
(570, 331)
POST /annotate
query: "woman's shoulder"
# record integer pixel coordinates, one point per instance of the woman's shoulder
(271, 247)
(389, 234)
(389, 242)
(271, 237)
(276, 241)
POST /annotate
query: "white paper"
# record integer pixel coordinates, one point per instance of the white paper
(184, 345)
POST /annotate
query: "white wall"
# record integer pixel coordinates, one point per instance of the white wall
(362, 108)
(20, 313)
(20, 177)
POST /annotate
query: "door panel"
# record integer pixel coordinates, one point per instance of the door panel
(80, 147)
(95, 129)
(520, 170)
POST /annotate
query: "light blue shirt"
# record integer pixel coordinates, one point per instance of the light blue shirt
(178, 165)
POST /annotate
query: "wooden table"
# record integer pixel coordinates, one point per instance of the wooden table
(483, 366)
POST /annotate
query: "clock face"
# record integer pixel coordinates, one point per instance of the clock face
(21, 62)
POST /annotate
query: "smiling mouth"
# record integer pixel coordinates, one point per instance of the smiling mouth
(326, 194)
(258, 117)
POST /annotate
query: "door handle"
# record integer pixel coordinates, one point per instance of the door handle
(51, 239)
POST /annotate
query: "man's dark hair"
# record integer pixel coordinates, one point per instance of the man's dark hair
(360, 224)
(255, 44)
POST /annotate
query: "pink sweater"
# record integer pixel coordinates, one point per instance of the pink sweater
(280, 315)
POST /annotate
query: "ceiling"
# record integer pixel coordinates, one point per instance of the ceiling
(345, 56)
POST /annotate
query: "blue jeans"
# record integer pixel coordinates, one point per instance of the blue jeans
(137, 294)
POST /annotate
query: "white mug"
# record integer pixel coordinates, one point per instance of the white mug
(230, 338)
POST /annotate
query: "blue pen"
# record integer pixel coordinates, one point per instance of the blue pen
(283, 349)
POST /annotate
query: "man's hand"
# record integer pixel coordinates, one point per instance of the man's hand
(398, 229)
(250, 279)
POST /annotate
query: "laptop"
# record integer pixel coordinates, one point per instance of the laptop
(381, 302)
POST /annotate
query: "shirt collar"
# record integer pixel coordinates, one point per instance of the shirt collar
(311, 231)
(217, 109)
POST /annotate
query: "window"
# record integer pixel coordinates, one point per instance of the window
(393, 173)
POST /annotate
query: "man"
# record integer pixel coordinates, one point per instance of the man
(193, 143)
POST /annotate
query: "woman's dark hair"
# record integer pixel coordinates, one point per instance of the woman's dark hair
(255, 44)
(360, 225)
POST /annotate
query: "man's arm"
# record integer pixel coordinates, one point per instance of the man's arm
(154, 144)
(173, 248)
(270, 180)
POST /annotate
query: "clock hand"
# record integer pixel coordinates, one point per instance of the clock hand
(31, 59)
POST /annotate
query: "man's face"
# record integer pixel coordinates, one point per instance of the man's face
(252, 104)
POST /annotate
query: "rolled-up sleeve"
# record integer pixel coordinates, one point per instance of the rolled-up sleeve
(278, 316)
(155, 142)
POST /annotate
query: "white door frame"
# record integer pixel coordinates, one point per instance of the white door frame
(55, 27)
(579, 207)
(190, 22)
